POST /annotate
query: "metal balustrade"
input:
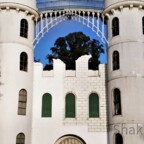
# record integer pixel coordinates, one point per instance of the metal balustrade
(93, 19)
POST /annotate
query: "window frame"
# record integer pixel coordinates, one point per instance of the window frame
(115, 27)
(117, 103)
(22, 102)
(93, 114)
(46, 109)
(23, 65)
(18, 137)
(24, 28)
(115, 60)
(70, 112)
(115, 138)
(143, 25)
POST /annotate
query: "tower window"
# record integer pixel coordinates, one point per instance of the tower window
(22, 102)
(20, 139)
(70, 105)
(115, 26)
(24, 28)
(118, 139)
(143, 25)
(117, 101)
(93, 105)
(47, 105)
(115, 62)
(23, 61)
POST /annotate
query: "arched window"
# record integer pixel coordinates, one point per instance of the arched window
(115, 58)
(20, 139)
(70, 105)
(22, 102)
(24, 28)
(46, 105)
(118, 139)
(115, 26)
(93, 105)
(143, 25)
(117, 101)
(23, 61)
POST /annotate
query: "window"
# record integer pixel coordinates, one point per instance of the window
(118, 139)
(46, 105)
(24, 28)
(117, 102)
(23, 61)
(20, 139)
(70, 106)
(115, 26)
(93, 105)
(115, 62)
(143, 25)
(22, 102)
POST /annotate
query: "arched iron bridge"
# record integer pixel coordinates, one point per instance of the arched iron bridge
(52, 16)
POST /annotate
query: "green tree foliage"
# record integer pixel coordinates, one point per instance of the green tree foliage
(71, 47)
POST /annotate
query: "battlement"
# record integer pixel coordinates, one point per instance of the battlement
(81, 69)
(81, 82)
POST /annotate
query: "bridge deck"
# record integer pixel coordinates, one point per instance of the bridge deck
(44, 5)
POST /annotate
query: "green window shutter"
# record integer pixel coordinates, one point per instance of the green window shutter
(70, 105)
(46, 105)
(93, 105)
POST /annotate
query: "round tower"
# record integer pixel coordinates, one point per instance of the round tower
(16, 65)
(125, 71)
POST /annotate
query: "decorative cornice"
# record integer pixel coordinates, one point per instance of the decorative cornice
(19, 7)
(124, 4)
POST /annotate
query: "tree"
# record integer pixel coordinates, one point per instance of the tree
(36, 60)
(71, 47)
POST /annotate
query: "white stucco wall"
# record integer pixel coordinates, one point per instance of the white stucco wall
(28, 3)
(58, 83)
(82, 82)
(12, 79)
(113, 3)
(10, 27)
(129, 77)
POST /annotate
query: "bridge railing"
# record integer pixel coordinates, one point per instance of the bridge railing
(93, 19)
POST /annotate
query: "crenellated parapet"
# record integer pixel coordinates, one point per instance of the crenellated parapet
(81, 82)
(81, 69)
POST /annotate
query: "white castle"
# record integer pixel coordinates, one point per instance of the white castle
(72, 107)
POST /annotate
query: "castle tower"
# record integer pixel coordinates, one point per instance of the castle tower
(125, 71)
(16, 62)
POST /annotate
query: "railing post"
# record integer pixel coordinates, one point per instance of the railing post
(88, 19)
(93, 14)
(83, 17)
(46, 21)
(103, 27)
(98, 14)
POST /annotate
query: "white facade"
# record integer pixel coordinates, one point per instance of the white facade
(58, 83)
(129, 77)
(81, 129)
(12, 79)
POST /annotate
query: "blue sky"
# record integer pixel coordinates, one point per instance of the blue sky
(60, 30)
